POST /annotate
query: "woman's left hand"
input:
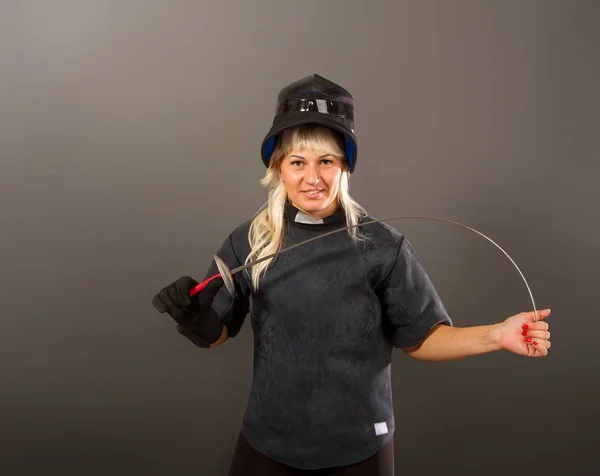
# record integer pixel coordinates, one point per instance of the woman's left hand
(522, 335)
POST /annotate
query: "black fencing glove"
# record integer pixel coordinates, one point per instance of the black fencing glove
(195, 317)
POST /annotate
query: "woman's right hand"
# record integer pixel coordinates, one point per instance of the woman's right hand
(176, 301)
(195, 317)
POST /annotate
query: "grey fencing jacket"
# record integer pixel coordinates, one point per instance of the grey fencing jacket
(325, 319)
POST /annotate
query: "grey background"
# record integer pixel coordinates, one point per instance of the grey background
(130, 134)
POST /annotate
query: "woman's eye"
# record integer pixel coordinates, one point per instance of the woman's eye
(327, 161)
(297, 163)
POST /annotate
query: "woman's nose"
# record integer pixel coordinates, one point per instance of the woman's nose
(312, 176)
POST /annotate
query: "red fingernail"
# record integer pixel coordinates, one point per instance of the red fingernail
(524, 333)
(525, 326)
(534, 343)
(528, 339)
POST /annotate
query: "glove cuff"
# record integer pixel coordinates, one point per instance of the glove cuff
(202, 331)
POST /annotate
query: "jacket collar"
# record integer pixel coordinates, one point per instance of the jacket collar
(299, 218)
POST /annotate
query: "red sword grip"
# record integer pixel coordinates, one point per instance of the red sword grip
(200, 286)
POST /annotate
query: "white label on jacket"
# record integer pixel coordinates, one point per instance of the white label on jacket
(381, 428)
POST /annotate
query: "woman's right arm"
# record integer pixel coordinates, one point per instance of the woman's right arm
(211, 316)
(222, 339)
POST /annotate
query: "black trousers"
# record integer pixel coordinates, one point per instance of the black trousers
(249, 462)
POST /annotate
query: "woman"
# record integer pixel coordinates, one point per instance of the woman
(326, 315)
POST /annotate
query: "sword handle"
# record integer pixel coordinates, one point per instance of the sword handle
(200, 286)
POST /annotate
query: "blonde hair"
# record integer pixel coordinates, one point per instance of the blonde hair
(267, 228)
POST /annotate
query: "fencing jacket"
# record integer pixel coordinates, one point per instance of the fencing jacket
(325, 319)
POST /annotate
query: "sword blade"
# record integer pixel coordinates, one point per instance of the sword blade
(226, 273)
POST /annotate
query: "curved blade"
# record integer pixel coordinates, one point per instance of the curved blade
(284, 250)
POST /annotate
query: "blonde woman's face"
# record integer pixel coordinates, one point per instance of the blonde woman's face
(312, 181)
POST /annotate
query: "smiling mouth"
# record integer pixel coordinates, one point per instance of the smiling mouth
(313, 193)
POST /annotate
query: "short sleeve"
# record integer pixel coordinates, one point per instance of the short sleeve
(231, 309)
(411, 304)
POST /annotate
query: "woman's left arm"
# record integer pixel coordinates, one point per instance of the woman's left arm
(519, 334)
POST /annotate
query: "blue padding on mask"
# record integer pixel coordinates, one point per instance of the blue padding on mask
(269, 147)
(350, 152)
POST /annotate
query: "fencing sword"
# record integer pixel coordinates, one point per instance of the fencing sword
(227, 274)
